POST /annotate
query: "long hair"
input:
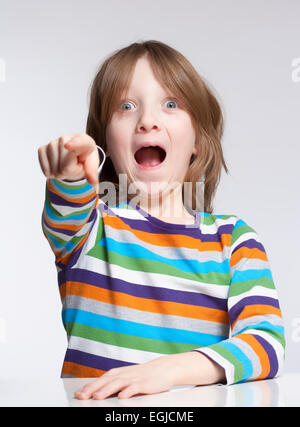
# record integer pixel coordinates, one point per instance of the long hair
(176, 73)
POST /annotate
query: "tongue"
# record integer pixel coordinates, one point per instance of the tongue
(148, 156)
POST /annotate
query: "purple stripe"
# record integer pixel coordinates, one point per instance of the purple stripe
(216, 237)
(271, 355)
(145, 226)
(72, 261)
(93, 361)
(149, 292)
(69, 232)
(137, 224)
(54, 198)
(251, 244)
(237, 309)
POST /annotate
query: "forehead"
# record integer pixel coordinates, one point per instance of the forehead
(144, 79)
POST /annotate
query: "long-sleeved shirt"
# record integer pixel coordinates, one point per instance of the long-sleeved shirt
(134, 287)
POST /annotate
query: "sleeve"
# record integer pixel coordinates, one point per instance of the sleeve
(255, 349)
(68, 215)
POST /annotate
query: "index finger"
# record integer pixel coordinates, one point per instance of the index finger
(81, 145)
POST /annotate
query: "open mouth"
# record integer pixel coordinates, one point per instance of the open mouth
(150, 157)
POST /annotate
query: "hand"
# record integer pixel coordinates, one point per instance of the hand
(158, 375)
(71, 158)
(155, 376)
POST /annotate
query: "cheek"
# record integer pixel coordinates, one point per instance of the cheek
(116, 137)
(182, 130)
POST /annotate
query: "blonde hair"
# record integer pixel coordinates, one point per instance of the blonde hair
(176, 73)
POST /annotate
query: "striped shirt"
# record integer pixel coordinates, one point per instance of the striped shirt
(134, 287)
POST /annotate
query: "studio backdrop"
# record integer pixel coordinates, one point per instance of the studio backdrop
(249, 51)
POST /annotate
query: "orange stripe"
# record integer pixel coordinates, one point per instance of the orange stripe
(82, 200)
(162, 240)
(143, 304)
(71, 227)
(257, 310)
(65, 259)
(225, 239)
(244, 252)
(80, 371)
(260, 351)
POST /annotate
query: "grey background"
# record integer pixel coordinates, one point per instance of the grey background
(52, 51)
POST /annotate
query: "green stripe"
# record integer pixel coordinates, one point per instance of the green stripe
(70, 215)
(239, 288)
(277, 335)
(237, 232)
(211, 219)
(100, 234)
(71, 187)
(226, 354)
(125, 340)
(75, 239)
(150, 266)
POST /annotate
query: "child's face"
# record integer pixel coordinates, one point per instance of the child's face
(150, 114)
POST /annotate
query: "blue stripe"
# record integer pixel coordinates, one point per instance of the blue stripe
(72, 217)
(138, 329)
(68, 245)
(237, 352)
(251, 274)
(239, 223)
(83, 189)
(265, 326)
(191, 266)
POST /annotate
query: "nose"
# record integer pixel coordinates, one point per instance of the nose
(148, 121)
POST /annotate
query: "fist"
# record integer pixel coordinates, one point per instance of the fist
(70, 158)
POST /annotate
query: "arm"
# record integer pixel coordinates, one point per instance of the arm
(68, 215)
(256, 348)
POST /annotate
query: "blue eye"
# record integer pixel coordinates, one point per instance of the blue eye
(129, 102)
(173, 102)
(124, 103)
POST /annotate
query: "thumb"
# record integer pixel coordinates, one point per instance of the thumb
(91, 169)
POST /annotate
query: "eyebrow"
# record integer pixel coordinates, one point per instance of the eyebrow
(130, 94)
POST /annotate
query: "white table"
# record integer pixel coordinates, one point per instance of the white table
(281, 391)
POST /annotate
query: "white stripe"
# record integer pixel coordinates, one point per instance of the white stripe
(67, 210)
(279, 350)
(165, 251)
(71, 184)
(254, 320)
(252, 264)
(259, 291)
(58, 269)
(243, 238)
(144, 317)
(67, 237)
(128, 213)
(111, 351)
(219, 222)
(140, 277)
(250, 353)
(150, 279)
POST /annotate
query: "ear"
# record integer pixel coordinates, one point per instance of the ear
(195, 150)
